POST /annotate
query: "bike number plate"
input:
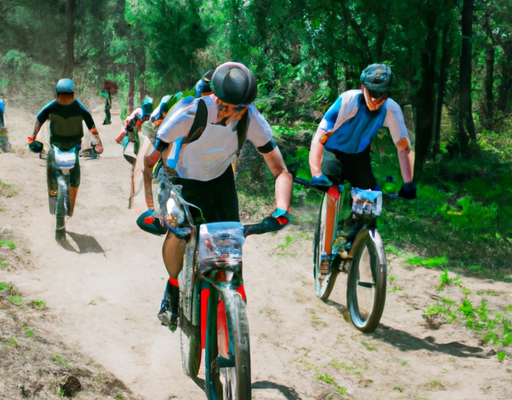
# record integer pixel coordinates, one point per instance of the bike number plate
(65, 159)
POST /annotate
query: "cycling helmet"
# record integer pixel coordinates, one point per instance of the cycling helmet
(234, 83)
(147, 107)
(376, 78)
(65, 86)
(203, 85)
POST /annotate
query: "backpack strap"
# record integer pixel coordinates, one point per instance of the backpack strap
(199, 124)
(241, 130)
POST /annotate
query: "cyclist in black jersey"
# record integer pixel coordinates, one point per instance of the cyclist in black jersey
(65, 114)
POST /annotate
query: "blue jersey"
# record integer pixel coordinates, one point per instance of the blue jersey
(354, 126)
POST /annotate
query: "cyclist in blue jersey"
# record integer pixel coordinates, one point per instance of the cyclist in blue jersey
(65, 115)
(340, 149)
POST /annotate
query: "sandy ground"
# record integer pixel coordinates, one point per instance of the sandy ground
(104, 287)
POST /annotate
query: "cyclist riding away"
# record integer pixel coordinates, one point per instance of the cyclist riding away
(206, 134)
(340, 149)
(65, 115)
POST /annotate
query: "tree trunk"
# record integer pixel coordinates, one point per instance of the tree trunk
(506, 77)
(489, 84)
(466, 126)
(425, 96)
(441, 88)
(131, 88)
(70, 38)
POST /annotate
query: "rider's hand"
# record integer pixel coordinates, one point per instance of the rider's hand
(34, 146)
(408, 191)
(283, 217)
(120, 137)
(321, 180)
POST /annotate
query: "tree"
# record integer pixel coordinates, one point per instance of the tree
(466, 126)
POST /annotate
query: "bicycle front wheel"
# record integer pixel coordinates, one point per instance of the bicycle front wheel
(228, 360)
(366, 285)
(324, 278)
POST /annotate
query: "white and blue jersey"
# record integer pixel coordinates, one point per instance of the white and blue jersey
(354, 126)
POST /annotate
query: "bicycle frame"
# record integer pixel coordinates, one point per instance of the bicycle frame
(211, 277)
(361, 253)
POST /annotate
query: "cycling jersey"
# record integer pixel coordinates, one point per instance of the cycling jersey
(354, 126)
(179, 121)
(66, 129)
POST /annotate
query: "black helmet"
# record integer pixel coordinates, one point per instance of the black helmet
(376, 78)
(203, 84)
(65, 86)
(234, 83)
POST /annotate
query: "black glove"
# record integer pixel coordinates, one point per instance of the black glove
(408, 191)
(35, 147)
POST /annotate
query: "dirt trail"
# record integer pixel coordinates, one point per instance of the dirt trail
(103, 291)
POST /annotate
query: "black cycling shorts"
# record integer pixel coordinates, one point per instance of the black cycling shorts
(217, 198)
(354, 168)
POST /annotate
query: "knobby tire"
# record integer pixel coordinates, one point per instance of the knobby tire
(231, 381)
(367, 273)
(323, 291)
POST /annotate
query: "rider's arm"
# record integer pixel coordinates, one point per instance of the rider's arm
(317, 144)
(395, 122)
(284, 180)
(41, 118)
(89, 121)
(260, 134)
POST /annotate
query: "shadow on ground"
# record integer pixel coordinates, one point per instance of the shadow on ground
(407, 342)
(288, 392)
(81, 244)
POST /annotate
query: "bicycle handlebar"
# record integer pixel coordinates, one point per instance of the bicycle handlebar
(311, 185)
(269, 224)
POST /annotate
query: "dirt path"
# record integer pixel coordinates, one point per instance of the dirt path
(103, 291)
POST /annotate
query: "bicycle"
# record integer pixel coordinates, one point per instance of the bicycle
(359, 253)
(58, 178)
(212, 308)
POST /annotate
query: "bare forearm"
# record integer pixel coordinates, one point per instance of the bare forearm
(284, 185)
(315, 154)
(37, 128)
(284, 180)
(406, 158)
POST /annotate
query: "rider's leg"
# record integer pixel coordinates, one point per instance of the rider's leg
(172, 252)
(357, 170)
(74, 184)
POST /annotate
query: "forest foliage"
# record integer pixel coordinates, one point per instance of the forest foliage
(451, 59)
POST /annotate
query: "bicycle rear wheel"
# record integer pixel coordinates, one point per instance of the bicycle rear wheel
(324, 283)
(228, 360)
(366, 285)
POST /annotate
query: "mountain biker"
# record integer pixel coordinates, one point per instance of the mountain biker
(341, 146)
(126, 136)
(65, 114)
(230, 117)
(340, 149)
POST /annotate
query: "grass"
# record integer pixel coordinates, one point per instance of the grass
(7, 190)
(493, 327)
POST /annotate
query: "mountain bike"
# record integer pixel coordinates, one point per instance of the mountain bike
(58, 178)
(212, 308)
(356, 250)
